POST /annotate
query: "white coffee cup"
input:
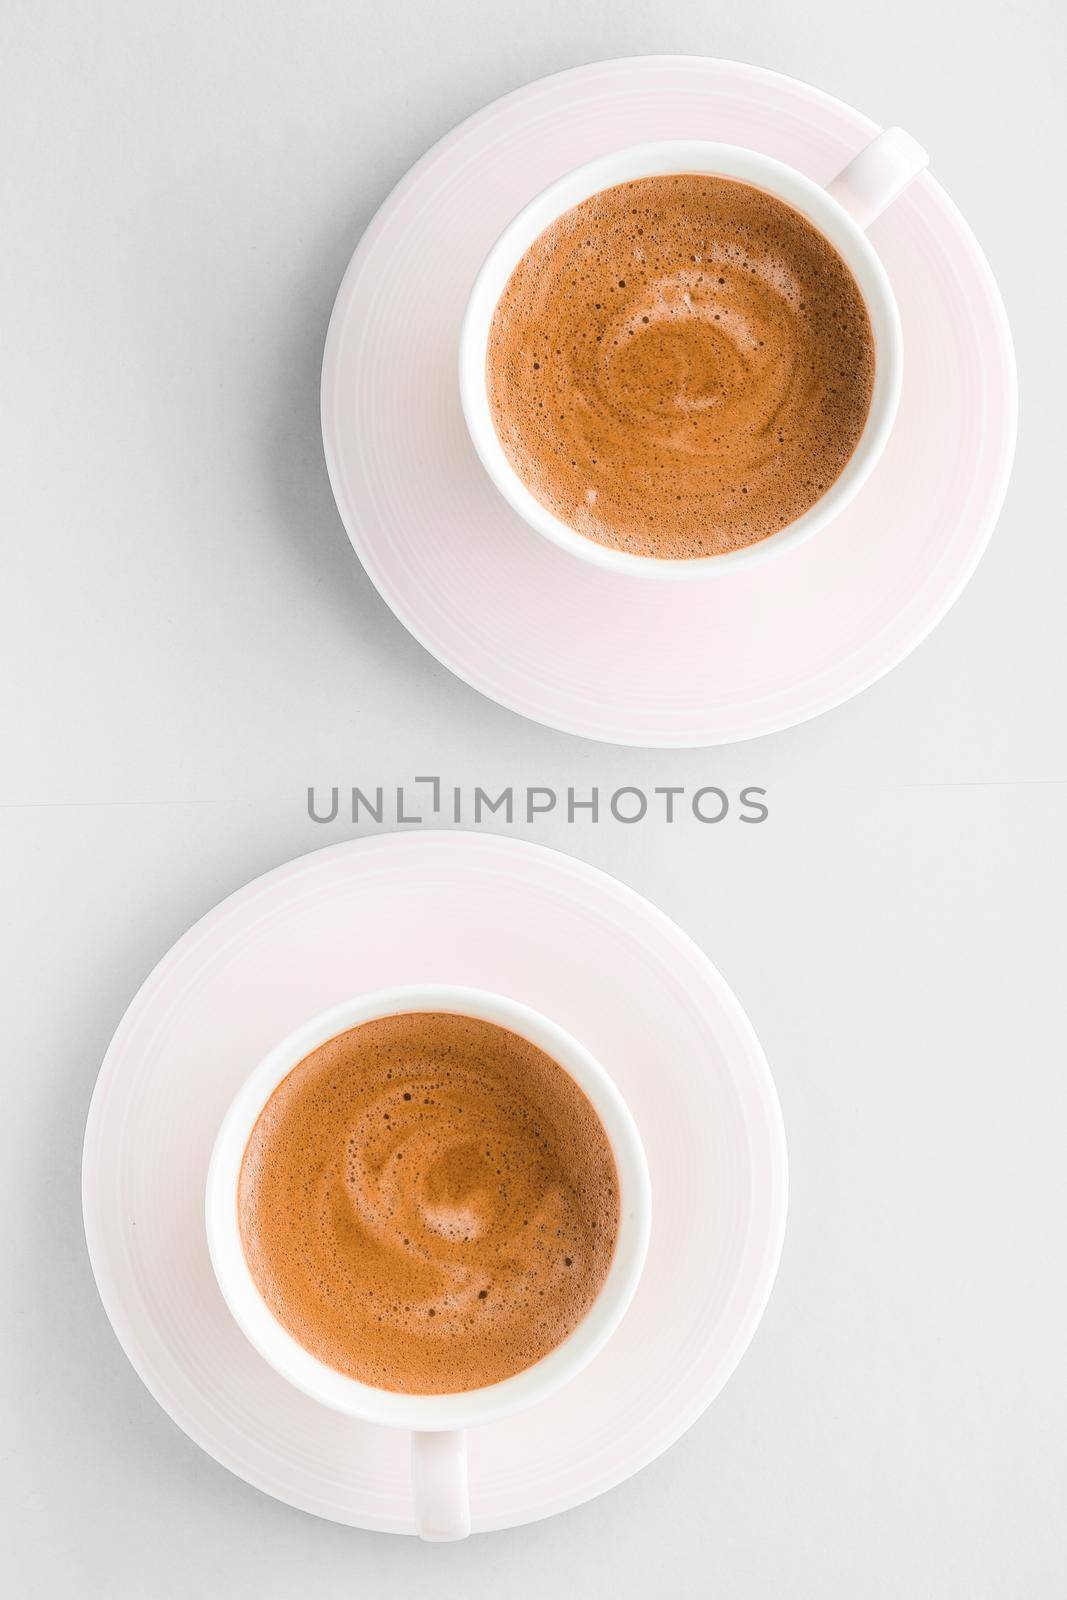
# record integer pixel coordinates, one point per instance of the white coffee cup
(436, 1422)
(841, 212)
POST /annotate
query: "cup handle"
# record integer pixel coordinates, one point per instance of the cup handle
(882, 170)
(439, 1485)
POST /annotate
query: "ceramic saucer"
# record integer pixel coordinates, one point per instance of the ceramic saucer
(453, 908)
(624, 659)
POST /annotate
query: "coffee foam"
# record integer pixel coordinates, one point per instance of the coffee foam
(680, 366)
(428, 1203)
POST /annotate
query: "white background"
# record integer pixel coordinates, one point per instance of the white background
(189, 642)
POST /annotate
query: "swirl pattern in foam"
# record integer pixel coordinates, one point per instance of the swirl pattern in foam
(428, 1203)
(680, 366)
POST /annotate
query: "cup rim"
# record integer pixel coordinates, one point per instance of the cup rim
(656, 157)
(466, 1408)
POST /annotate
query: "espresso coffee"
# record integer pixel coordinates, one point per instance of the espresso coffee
(428, 1203)
(680, 366)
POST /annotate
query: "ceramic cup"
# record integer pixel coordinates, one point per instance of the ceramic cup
(841, 211)
(436, 1422)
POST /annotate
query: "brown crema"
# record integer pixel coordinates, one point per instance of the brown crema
(680, 366)
(428, 1203)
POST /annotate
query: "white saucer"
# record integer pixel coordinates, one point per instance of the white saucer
(633, 660)
(452, 908)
